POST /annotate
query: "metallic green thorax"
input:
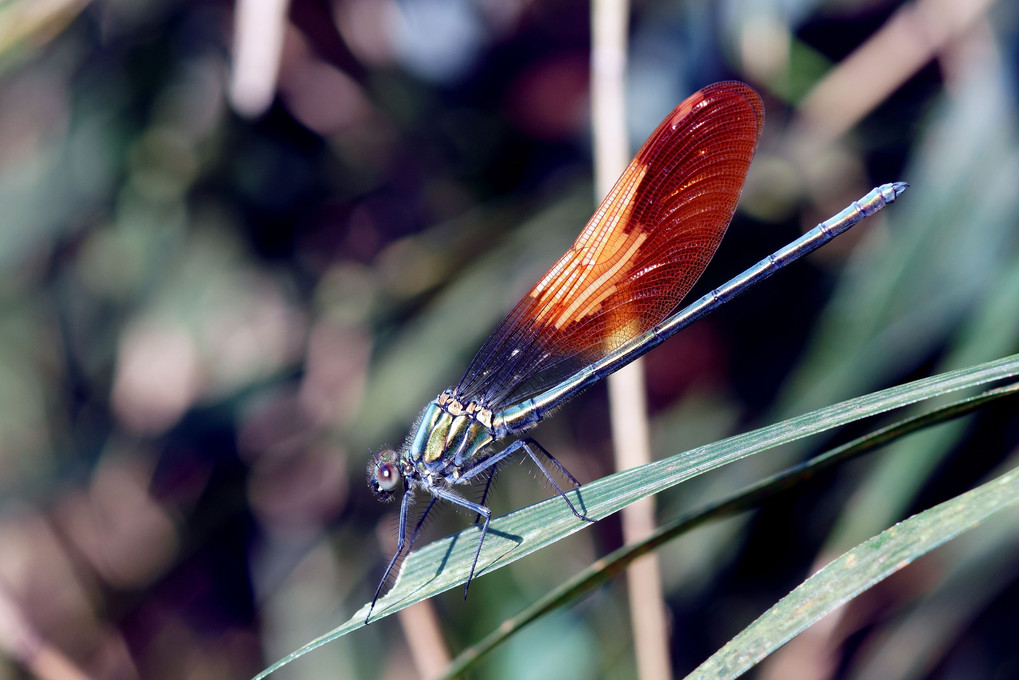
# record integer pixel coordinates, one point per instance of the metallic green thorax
(448, 433)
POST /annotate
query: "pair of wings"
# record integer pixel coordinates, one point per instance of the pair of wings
(637, 257)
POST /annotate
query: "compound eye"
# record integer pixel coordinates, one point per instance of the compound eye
(387, 477)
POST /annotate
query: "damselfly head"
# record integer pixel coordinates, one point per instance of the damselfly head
(384, 474)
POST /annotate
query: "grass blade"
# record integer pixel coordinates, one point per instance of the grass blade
(615, 563)
(857, 570)
(444, 564)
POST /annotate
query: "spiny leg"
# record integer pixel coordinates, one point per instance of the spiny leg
(487, 465)
(525, 444)
(531, 440)
(399, 549)
(484, 495)
(400, 544)
(417, 527)
(482, 511)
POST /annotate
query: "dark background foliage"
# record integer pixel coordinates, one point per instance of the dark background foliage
(222, 289)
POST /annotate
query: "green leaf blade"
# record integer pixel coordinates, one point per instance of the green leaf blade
(445, 563)
(857, 570)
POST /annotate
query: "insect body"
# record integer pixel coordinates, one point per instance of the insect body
(608, 300)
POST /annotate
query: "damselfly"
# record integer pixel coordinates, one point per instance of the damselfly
(604, 303)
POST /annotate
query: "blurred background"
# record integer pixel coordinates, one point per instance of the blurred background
(242, 245)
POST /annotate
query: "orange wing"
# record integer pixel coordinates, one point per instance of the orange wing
(637, 258)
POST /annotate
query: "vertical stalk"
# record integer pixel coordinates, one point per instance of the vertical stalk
(627, 402)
